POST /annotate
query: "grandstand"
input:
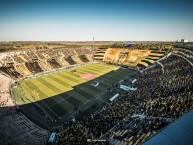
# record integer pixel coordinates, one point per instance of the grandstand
(69, 91)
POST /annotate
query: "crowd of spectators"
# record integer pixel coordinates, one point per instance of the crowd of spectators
(74, 135)
(27, 63)
(33, 67)
(163, 94)
(10, 71)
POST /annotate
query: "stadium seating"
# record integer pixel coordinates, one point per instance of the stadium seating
(54, 63)
(132, 57)
(76, 134)
(10, 71)
(99, 53)
(164, 93)
(46, 60)
(22, 69)
(89, 57)
(15, 128)
(63, 62)
(33, 67)
(28, 63)
(83, 58)
(45, 65)
(162, 96)
(70, 60)
(76, 59)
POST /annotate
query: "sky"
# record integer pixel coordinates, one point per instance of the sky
(105, 20)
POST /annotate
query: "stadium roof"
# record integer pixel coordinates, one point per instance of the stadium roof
(180, 132)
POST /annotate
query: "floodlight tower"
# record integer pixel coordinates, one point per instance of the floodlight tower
(93, 47)
(93, 42)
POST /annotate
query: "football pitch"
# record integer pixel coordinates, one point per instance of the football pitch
(62, 92)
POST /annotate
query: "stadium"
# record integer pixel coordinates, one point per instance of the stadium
(120, 94)
(96, 72)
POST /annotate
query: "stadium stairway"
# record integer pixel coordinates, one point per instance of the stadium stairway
(99, 53)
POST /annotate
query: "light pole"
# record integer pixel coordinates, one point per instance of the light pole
(93, 42)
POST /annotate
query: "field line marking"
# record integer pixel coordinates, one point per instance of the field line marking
(51, 110)
(60, 101)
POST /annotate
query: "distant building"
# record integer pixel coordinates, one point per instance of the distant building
(184, 40)
(128, 45)
(184, 44)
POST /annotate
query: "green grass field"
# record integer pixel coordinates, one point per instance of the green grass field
(61, 92)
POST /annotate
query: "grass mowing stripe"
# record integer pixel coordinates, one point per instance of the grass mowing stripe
(64, 95)
(48, 109)
(96, 73)
(75, 77)
(102, 65)
(57, 85)
(60, 81)
(68, 79)
(59, 98)
(35, 80)
(41, 90)
(65, 80)
(83, 93)
(41, 86)
(113, 76)
(98, 69)
(20, 99)
(99, 88)
(78, 96)
(104, 68)
(50, 86)
(89, 86)
(33, 83)
(66, 105)
(74, 101)
(30, 83)
(117, 73)
(104, 82)
(74, 80)
(108, 75)
(59, 110)
(49, 101)
(105, 76)
(90, 92)
(80, 72)
(42, 94)
(71, 77)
